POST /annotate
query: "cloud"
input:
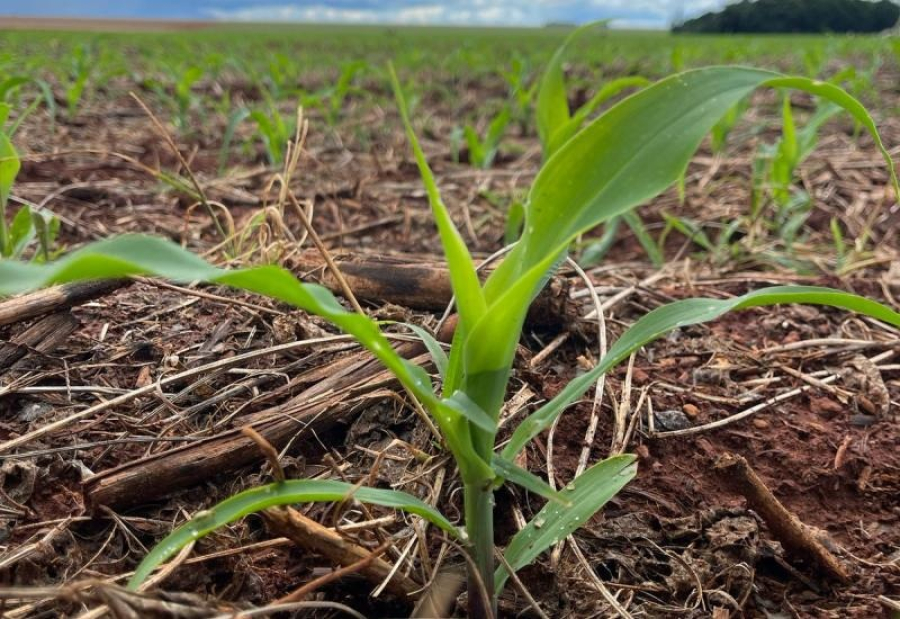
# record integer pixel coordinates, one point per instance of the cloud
(420, 14)
(624, 13)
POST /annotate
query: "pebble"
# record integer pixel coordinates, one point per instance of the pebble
(690, 410)
(671, 420)
(761, 424)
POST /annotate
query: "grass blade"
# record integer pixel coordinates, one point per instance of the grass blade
(143, 255)
(281, 493)
(669, 317)
(510, 471)
(586, 495)
(463, 278)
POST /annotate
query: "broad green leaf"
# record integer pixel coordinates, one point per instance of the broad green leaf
(587, 493)
(142, 255)
(662, 320)
(510, 471)
(463, 278)
(564, 133)
(271, 495)
(552, 101)
(629, 154)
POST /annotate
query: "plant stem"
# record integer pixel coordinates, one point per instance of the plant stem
(479, 507)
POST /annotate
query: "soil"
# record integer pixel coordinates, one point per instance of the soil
(677, 542)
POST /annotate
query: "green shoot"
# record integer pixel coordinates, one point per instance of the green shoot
(628, 155)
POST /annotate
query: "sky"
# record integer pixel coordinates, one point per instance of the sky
(625, 13)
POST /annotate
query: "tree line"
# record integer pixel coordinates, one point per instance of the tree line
(797, 16)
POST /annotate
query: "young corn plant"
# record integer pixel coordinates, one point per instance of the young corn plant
(628, 155)
(557, 125)
(779, 163)
(27, 225)
(80, 72)
(483, 151)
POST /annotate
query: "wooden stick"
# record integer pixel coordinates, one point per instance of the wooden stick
(55, 299)
(796, 537)
(344, 389)
(422, 284)
(43, 336)
(310, 535)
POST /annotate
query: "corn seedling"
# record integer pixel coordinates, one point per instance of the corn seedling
(337, 95)
(184, 98)
(12, 86)
(82, 63)
(557, 125)
(27, 225)
(628, 155)
(721, 130)
(521, 95)
(779, 162)
(482, 151)
(273, 128)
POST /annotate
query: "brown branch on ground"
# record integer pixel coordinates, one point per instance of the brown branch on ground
(310, 535)
(796, 537)
(55, 299)
(45, 335)
(342, 388)
(422, 284)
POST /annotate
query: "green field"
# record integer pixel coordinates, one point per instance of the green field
(275, 205)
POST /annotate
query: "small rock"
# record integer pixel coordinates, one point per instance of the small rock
(761, 424)
(691, 410)
(671, 420)
(863, 421)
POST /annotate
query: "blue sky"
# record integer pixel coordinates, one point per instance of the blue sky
(626, 13)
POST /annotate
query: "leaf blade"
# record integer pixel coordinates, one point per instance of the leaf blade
(587, 494)
(271, 495)
(683, 313)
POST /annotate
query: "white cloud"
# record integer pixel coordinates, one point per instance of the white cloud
(625, 13)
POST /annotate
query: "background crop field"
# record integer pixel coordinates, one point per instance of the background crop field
(814, 390)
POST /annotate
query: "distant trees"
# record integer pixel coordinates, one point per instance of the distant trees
(797, 16)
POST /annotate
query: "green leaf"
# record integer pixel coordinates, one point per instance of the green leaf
(463, 278)
(510, 471)
(662, 320)
(463, 404)
(629, 154)
(142, 255)
(841, 97)
(564, 133)
(21, 232)
(432, 345)
(282, 493)
(552, 101)
(653, 249)
(9, 168)
(473, 142)
(587, 494)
